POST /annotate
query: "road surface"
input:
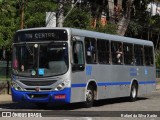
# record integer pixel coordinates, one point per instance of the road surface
(118, 108)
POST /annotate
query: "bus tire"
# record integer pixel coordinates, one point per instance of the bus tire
(89, 97)
(133, 92)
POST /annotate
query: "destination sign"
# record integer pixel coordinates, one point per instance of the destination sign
(41, 35)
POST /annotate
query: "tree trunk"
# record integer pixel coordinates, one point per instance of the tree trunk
(22, 14)
(157, 44)
(123, 23)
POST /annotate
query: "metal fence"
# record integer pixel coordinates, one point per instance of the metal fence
(157, 73)
(5, 77)
(4, 71)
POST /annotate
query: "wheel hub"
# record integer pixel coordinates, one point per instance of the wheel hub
(89, 95)
(134, 92)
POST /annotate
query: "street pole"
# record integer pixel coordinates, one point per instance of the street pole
(60, 15)
(73, 5)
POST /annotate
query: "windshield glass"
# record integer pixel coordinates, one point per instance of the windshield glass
(47, 59)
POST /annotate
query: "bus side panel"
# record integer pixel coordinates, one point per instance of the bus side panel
(150, 79)
(115, 80)
(78, 85)
(146, 79)
(137, 73)
(111, 81)
(119, 81)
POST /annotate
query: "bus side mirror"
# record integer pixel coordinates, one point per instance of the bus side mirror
(77, 67)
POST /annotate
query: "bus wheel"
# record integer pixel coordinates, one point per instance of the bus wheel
(133, 93)
(89, 97)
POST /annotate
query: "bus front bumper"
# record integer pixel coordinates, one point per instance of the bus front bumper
(62, 96)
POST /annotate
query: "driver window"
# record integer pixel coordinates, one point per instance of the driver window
(78, 54)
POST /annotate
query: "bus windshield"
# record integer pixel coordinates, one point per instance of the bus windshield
(40, 59)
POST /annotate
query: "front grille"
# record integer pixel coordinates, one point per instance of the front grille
(41, 89)
(34, 96)
(38, 83)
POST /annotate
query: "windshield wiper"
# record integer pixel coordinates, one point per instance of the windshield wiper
(29, 50)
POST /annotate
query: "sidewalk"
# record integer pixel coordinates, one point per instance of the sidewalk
(158, 87)
(5, 98)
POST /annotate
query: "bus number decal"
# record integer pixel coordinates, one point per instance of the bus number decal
(145, 71)
(133, 72)
(88, 70)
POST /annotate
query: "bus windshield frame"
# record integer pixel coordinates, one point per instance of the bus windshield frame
(40, 59)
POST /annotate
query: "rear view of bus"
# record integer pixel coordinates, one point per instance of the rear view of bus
(40, 66)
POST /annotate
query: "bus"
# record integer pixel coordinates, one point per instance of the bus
(67, 65)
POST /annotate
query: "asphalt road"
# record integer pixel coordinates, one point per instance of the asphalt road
(121, 108)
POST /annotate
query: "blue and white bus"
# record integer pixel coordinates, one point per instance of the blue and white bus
(67, 65)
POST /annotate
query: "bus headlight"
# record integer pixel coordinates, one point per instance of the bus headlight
(16, 86)
(61, 86)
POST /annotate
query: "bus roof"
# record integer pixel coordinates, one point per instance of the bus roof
(86, 33)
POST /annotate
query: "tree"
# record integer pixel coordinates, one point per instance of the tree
(80, 20)
(37, 18)
(157, 57)
(123, 23)
(34, 16)
(142, 24)
(88, 11)
(97, 7)
(7, 23)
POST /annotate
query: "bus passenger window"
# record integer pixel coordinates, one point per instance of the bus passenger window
(128, 54)
(148, 52)
(103, 51)
(90, 50)
(138, 54)
(78, 56)
(117, 52)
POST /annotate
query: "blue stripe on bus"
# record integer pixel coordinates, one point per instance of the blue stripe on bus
(78, 85)
(113, 83)
(147, 82)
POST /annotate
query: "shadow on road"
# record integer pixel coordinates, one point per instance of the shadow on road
(115, 101)
(73, 106)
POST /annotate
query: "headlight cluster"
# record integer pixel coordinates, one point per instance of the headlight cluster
(16, 86)
(61, 86)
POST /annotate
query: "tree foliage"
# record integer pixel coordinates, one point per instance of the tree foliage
(145, 26)
(83, 14)
(157, 56)
(34, 16)
(109, 28)
(142, 23)
(81, 17)
(35, 12)
(7, 25)
(80, 20)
